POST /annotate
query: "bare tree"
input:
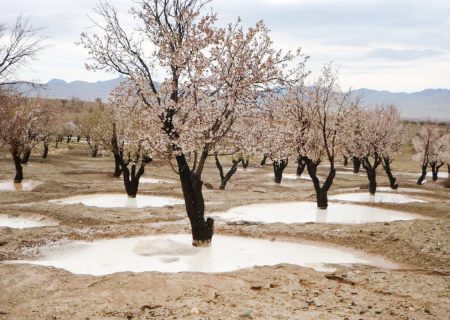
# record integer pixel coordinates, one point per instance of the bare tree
(19, 44)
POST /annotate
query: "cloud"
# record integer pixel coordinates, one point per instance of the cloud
(368, 38)
(401, 54)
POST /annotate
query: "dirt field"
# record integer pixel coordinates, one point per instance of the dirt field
(419, 289)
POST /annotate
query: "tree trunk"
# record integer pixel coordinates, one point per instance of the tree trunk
(245, 163)
(356, 164)
(117, 166)
(94, 151)
(387, 168)
(372, 176)
(435, 169)
(131, 177)
(18, 165)
(301, 165)
(371, 171)
(69, 137)
(78, 138)
(117, 152)
(225, 178)
(321, 191)
(45, 154)
(423, 175)
(26, 155)
(263, 161)
(345, 161)
(278, 168)
(191, 184)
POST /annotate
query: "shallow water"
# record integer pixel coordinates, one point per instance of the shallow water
(22, 223)
(153, 181)
(174, 253)
(120, 201)
(441, 175)
(400, 190)
(291, 176)
(303, 212)
(24, 186)
(378, 197)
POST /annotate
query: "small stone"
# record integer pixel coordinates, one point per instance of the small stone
(195, 311)
(426, 310)
(209, 186)
(378, 312)
(256, 287)
(411, 309)
(246, 314)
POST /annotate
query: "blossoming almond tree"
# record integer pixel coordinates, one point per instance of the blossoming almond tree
(328, 111)
(17, 117)
(437, 156)
(427, 152)
(209, 75)
(377, 136)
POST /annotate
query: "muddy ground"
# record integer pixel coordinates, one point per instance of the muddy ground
(418, 289)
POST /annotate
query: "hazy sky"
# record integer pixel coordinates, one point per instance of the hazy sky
(381, 44)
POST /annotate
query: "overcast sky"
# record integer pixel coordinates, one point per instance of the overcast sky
(380, 44)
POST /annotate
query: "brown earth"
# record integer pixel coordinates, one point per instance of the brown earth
(420, 289)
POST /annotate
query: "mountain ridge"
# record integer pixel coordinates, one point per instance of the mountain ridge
(429, 104)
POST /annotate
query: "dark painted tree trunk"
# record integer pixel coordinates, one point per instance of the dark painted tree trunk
(245, 163)
(371, 171)
(448, 169)
(345, 161)
(301, 164)
(69, 138)
(117, 152)
(78, 138)
(94, 151)
(321, 191)
(26, 155)
(278, 168)
(18, 165)
(225, 178)
(131, 176)
(423, 175)
(191, 184)
(435, 169)
(117, 166)
(45, 154)
(356, 164)
(387, 168)
(263, 161)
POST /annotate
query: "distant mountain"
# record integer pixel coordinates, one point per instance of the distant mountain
(60, 89)
(429, 104)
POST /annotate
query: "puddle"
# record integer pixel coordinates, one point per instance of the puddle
(303, 212)
(386, 189)
(24, 186)
(378, 197)
(441, 175)
(22, 223)
(290, 176)
(120, 201)
(153, 181)
(174, 253)
(399, 190)
(351, 173)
